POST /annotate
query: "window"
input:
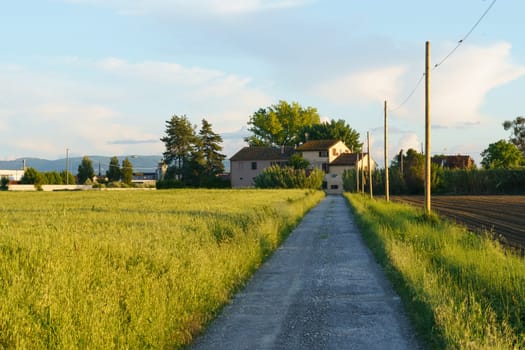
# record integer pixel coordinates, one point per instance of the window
(325, 185)
(324, 167)
(254, 165)
(323, 153)
(334, 152)
(334, 187)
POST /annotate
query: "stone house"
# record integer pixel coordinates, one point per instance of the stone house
(331, 156)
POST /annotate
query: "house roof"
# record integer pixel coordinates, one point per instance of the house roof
(453, 161)
(347, 159)
(317, 145)
(263, 153)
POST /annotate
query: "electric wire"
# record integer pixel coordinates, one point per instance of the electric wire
(460, 42)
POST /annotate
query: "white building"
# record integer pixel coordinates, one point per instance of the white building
(12, 175)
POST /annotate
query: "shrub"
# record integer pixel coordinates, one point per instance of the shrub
(287, 177)
(4, 183)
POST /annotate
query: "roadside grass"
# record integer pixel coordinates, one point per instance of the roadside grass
(131, 270)
(462, 290)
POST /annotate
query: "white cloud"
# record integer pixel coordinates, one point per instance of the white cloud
(194, 7)
(460, 87)
(120, 100)
(363, 87)
(405, 142)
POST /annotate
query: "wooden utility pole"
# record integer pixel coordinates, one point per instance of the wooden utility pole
(362, 174)
(427, 130)
(387, 183)
(357, 174)
(369, 167)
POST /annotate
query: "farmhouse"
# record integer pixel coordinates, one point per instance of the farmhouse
(454, 162)
(331, 156)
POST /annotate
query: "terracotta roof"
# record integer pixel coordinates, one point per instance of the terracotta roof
(317, 145)
(263, 153)
(348, 159)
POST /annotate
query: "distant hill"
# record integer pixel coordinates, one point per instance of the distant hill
(144, 164)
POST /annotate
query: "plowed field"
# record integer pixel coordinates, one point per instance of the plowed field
(502, 215)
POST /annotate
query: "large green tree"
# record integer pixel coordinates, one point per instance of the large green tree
(280, 124)
(210, 145)
(501, 154)
(85, 170)
(333, 130)
(113, 173)
(518, 132)
(32, 176)
(126, 172)
(179, 141)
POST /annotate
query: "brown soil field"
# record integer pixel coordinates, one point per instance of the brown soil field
(503, 216)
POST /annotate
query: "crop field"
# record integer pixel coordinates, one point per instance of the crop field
(101, 270)
(502, 215)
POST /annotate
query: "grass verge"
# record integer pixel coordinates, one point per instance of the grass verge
(131, 270)
(462, 291)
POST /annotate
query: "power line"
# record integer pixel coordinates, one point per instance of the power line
(466, 36)
(460, 42)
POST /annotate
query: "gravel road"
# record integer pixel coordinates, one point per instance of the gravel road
(320, 290)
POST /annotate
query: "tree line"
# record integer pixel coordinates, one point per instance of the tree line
(115, 175)
(502, 172)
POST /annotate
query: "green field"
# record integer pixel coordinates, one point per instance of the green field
(462, 290)
(103, 270)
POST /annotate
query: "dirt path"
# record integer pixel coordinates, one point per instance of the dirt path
(321, 290)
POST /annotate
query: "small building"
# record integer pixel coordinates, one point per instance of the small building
(333, 157)
(249, 162)
(454, 161)
(12, 175)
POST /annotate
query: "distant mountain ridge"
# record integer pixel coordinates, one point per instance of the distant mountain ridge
(144, 164)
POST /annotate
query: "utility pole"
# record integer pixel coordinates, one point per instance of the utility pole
(362, 174)
(369, 167)
(67, 166)
(357, 173)
(427, 130)
(387, 183)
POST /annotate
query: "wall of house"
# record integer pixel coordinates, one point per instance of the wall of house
(242, 174)
(337, 150)
(334, 183)
(316, 161)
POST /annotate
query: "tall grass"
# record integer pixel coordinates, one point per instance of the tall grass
(105, 270)
(463, 291)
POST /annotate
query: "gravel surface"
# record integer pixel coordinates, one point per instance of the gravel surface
(320, 290)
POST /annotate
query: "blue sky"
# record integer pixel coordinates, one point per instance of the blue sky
(102, 76)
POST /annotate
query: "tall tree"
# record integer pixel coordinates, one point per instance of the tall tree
(126, 172)
(85, 170)
(501, 154)
(179, 141)
(333, 130)
(210, 145)
(518, 132)
(280, 124)
(113, 173)
(32, 176)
